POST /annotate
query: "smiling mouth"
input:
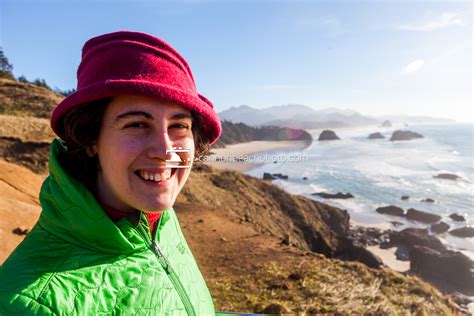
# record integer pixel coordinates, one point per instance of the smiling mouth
(159, 176)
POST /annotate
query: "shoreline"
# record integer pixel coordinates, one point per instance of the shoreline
(260, 147)
(387, 256)
(239, 153)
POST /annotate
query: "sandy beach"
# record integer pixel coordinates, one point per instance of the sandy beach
(238, 157)
(389, 258)
(232, 157)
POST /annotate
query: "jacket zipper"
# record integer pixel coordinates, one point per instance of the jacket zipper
(164, 262)
(174, 279)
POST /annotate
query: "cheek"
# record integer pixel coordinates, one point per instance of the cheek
(116, 154)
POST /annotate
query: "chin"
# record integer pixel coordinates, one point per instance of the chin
(158, 206)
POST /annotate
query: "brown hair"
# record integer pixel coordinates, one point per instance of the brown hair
(81, 128)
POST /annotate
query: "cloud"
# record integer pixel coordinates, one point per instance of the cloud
(413, 66)
(446, 19)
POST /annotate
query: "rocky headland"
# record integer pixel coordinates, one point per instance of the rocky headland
(260, 248)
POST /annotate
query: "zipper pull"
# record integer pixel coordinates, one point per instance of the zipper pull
(160, 254)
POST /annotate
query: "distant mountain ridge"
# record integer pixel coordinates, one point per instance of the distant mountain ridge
(302, 116)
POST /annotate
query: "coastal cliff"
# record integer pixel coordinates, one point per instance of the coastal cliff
(260, 248)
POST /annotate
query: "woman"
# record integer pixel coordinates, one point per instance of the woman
(108, 240)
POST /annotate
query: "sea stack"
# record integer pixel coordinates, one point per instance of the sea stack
(377, 135)
(404, 135)
(447, 176)
(328, 135)
(386, 123)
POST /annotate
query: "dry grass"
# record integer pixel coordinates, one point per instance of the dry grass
(26, 99)
(317, 285)
(26, 129)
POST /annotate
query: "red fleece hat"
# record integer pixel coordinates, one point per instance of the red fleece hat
(136, 63)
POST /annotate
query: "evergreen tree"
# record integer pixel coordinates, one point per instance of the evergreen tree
(41, 83)
(22, 78)
(5, 66)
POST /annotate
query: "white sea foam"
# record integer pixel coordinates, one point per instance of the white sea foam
(447, 187)
(317, 187)
(465, 244)
(379, 172)
(294, 188)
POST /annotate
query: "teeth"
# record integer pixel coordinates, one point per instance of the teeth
(156, 176)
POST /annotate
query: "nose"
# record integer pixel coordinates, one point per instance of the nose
(158, 143)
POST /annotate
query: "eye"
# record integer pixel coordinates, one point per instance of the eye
(136, 125)
(179, 126)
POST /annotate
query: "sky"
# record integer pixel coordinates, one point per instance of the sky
(374, 57)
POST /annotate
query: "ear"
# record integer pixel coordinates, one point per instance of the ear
(91, 150)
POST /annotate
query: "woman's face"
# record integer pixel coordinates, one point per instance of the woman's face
(135, 134)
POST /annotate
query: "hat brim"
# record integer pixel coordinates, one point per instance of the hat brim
(199, 104)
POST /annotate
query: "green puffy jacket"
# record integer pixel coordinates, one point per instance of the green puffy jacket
(76, 261)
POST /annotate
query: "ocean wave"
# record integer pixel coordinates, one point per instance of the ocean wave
(294, 188)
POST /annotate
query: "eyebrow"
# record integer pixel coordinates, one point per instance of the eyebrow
(176, 116)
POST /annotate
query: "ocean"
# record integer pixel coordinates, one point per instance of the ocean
(379, 172)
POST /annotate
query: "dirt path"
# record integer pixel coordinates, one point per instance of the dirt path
(19, 204)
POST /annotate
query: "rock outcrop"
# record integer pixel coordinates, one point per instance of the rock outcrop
(280, 176)
(368, 236)
(390, 210)
(439, 228)
(447, 176)
(428, 200)
(416, 237)
(457, 218)
(328, 135)
(464, 232)
(268, 176)
(362, 255)
(443, 266)
(420, 216)
(387, 123)
(404, 135)
(274, 176)
(377, 135)
(338, 195)
(431, 260)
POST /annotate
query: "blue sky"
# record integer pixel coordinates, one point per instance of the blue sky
(375, 57)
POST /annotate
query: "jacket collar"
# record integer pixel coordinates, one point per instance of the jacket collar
(71, 212)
